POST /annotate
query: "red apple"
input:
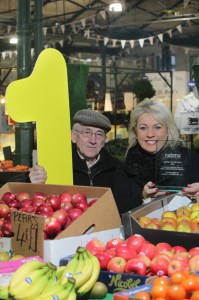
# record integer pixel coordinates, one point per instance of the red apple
(178, 249)
(4, 210)
(44, 208)
(163, 246)
(74, 213)
(166, 254)
(22, 195)
(65, 197)
(39, 195)
(193, 251)
(111, 252)
(116, 264)
(125, 251)
(43, 214)
(14, 203)
(81, 204)
(177, 265)
(135, 266)
(37, 201)
(68, 223)
(103, 258)
(136, 241)
(194, 263)
(6, 228)
(144, 258)
(78, 196)
(92, 202)
(95, 246)
(148, 249)
(67, 206)
(53, 226)
(114, 242)
(25, 203)
(61, 216)
(159, 266)
(31, 209)
(7, 196)
(54, 202)
(182, 256)
(1, 221)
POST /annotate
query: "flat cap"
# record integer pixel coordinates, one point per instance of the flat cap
(92, 118)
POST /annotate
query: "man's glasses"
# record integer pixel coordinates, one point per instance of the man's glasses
(100, 136)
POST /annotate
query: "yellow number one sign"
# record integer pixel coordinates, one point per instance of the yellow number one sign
(43, 97)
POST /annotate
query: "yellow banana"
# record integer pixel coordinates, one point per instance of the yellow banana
(59, 272)
(73, 294)
(87, 286)
(70, 268)
(60, 292)
(81, 276)
(30, 285)
(37, 288)
(23, 270)
(4, 292)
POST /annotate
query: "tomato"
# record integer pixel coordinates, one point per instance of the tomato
(178, 277)
(195, 296)
(142, 295)
(159, 290)
(175, 292)
(161, 280)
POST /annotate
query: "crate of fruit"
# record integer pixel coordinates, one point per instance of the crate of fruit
(181, 226)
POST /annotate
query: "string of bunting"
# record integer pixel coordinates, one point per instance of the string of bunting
(89, 35)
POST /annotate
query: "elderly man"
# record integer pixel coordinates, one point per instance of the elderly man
(92, 164)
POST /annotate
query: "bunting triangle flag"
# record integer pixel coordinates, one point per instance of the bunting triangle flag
(141, 41)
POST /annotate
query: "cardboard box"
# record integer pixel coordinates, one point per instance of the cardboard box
(29, 239)
(155, 209)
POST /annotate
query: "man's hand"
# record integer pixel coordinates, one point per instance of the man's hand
(37, 174)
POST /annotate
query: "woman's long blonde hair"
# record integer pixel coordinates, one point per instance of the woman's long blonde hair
(161, 113)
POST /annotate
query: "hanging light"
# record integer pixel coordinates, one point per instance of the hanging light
(116, 6)
(128, 101)
(108, 104)
(13, 40)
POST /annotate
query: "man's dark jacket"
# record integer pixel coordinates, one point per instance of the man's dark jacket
(100, 174)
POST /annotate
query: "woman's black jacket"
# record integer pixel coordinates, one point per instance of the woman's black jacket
(138, 169)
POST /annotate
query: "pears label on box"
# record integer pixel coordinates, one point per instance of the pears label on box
(28, 232)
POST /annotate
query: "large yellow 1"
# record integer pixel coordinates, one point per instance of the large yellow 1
(43, 97)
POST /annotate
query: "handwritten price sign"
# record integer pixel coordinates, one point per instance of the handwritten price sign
(28, 233)
(43, 98)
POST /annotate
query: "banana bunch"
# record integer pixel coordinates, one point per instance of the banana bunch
(84, 268)
(29, 280)
(44, 281)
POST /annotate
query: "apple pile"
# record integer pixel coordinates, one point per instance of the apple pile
(184, 219)
(59, 211)
(136, 255)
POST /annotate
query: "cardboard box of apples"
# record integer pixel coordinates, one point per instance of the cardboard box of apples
(155, 210)
(36, 226)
